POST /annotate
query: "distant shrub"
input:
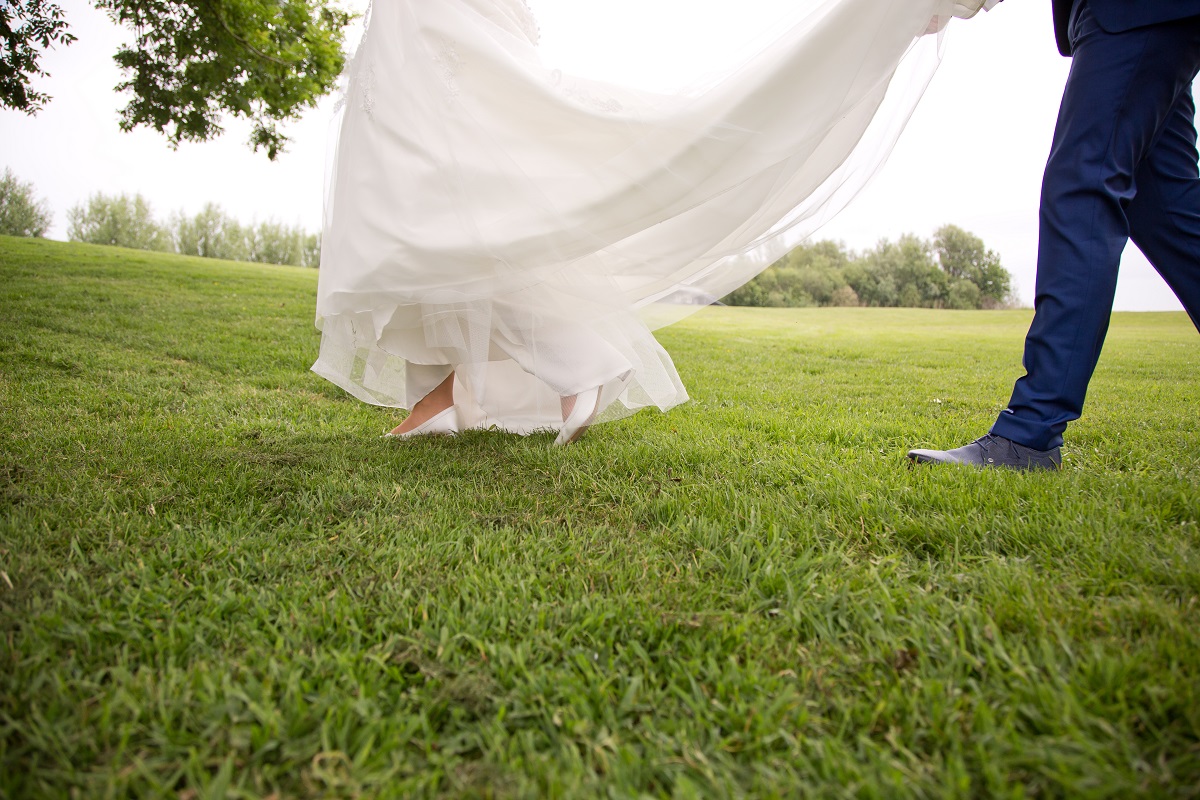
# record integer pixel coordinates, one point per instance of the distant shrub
(844, 296)
(119, 220)
(21, 214)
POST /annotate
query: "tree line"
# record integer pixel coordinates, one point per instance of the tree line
(125, 221)
(952, 270)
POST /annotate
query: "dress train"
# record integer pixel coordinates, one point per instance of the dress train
(490, 214)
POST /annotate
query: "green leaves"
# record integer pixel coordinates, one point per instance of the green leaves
(194, 61)
(26, 29)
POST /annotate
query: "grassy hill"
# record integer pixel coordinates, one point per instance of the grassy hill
(216, 580)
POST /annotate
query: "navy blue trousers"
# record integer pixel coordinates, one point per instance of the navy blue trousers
(1123, 166)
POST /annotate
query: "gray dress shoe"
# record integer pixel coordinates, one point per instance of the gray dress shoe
(992, 451)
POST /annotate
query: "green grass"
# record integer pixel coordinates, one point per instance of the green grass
(218, 581)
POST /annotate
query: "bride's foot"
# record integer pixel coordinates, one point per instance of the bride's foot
(433, 414)
(442, 423)
(579, 412)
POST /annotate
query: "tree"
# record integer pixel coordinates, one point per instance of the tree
(27, 27)
(916, 271)
(122, 221)
(819, 266)
(312, 251)
(21, 214)
(900, 273)
(808, 275)
(962, 255)
(844, 296)
(276, 243)
(212, 234)
(963, 294)
(194, 61)
(750, 294)
(954, 270)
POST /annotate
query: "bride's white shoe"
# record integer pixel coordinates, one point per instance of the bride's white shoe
(587, 408)
(587, 405)
(443, 423)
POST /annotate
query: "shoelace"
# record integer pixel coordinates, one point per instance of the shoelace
(985, 444)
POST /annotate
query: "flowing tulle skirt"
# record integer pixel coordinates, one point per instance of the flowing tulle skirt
(490, 215)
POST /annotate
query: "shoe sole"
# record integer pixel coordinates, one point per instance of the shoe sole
(926, 457)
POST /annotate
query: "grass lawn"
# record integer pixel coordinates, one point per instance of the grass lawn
(216, 580)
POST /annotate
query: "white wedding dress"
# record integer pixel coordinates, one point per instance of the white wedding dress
(490, 215)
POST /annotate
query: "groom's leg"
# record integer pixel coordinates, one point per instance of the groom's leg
(1164, 218)
(1119, 95)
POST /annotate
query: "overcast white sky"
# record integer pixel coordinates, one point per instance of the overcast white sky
(972, 155)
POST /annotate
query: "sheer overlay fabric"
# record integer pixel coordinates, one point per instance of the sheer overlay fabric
(491, 215)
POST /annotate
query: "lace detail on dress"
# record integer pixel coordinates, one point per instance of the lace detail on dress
(366, 24)
(582, 96)
(347, 79)
(528, 22)
(606, 105)
(449, 65)
(367, 89)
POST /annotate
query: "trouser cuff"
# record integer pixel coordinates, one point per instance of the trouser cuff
(1032, 434)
